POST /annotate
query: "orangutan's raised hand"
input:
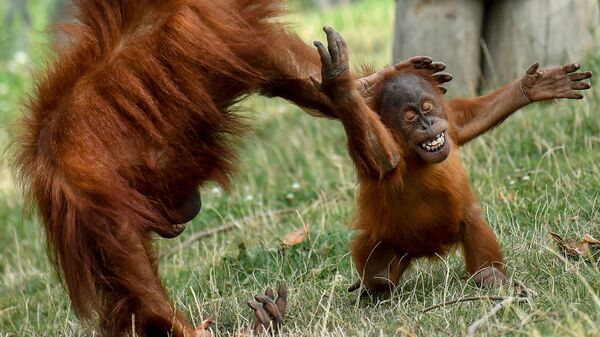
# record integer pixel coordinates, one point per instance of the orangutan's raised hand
(556, 82)
(368, 85)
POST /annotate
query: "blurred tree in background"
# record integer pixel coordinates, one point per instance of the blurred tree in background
(23, 21)
(15, 18)
(487, 42)
(483, 42)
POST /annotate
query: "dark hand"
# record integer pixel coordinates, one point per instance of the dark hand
(555, 82)
(335, 68)
(367, 85)
(269, 311)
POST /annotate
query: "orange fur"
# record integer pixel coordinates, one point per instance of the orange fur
(424, 205)
(418, 208)
(131, 117)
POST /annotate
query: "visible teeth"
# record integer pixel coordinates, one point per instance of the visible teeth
(434, 144)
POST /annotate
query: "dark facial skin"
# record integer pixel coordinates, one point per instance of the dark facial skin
(180, 211)
(408, 105)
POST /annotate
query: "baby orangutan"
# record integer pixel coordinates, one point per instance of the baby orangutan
(414, 198)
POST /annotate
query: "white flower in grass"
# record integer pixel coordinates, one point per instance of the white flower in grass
(339, 278)
(249, 197)
(296, 185)
(21, 58)
(289, 196)
(216, 191)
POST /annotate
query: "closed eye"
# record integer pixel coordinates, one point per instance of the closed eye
(410, 117)
(427, 107)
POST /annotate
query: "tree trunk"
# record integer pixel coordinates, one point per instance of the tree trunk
(521, 32)
(514, 34)
(449, 31)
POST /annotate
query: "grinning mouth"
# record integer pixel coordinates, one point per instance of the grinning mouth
(435, 144)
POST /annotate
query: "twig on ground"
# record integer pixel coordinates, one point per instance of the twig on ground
(524, 292)
(505, 303)
(236, 223)
(225, 227)
(465, 299)
(198, 236)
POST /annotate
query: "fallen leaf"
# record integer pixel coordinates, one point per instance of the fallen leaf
(296, 237)
(590, 239)
(572, 248)
(406, 332)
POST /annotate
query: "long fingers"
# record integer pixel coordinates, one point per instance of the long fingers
(281, 301)
(435, 67)
(342, 48)
(442, 77)
(336, 45)
(580, 76)
(270, 307)
(580, 85)
(260, 313)
(331, 43)
(576, 80)
(268, 311)
(420, 62)
(416, 62)
(325, 56)
(533, 68)
(269, 292)
(569, 68)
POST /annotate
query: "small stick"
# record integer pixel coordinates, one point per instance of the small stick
(466, 299)
(199, 236)
(225, 227)
(505, 303)
(524, 292)
(234, 224)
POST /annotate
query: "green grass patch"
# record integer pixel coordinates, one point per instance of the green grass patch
(538, 173)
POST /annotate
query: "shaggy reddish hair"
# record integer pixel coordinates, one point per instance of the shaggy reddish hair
(133, 115)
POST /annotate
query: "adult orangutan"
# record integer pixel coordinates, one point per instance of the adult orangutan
(131, 118)
(414, 198)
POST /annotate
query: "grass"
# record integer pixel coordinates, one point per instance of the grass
(538, 173)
